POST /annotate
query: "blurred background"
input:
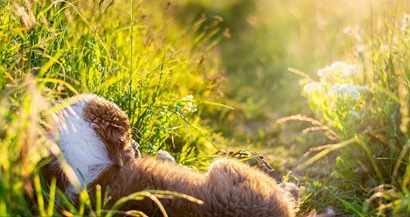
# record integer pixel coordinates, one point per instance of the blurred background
(260, 41)
(266, 48)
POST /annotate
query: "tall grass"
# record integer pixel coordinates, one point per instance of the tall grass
(361, 103)
(129, 52)
(363, 107)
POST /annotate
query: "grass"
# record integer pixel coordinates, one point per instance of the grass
(308, 36)
(178, 68)
(362, 109)
(156, 72)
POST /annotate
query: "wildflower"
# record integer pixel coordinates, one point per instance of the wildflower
(189, 105)
(351, 91)
(188, 98)
(339, 72)
(314, 87)
(340, 68)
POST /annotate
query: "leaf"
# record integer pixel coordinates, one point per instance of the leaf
(356, 209)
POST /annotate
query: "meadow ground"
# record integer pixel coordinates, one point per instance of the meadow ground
(320, 89)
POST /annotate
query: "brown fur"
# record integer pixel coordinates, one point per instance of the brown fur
(230, 188)
(111, 124)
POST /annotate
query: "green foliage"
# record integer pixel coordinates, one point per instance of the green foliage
(129, 52)
(160, 62)
(365, 109)
(23, 144)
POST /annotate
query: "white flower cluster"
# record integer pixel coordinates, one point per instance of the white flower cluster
(351, 91)
(339, 78)
(189, 105)
(187, 98)
(338, 71)
(338, 96)
(314, 87)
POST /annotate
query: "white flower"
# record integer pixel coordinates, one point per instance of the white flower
(351, 91)
(350, 70)
(187, 98)
(189, 105)
(314, 87)
(338, 69)
(324, 71)
(339, 72)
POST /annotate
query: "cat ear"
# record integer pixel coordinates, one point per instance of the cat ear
(111, 125)
(116, 139)
(116, 135)
(119, 138)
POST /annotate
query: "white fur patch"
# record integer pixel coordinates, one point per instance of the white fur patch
(82, 148)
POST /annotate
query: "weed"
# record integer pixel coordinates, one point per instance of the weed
(366, 106)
